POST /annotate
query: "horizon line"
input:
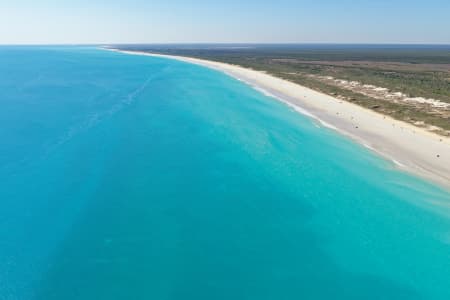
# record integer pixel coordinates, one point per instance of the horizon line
(228, 43)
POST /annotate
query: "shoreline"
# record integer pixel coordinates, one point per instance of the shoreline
(411, 149)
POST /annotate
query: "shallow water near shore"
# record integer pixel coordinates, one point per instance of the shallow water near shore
(134, 177)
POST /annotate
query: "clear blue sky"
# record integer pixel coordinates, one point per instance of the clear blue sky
(162, 21)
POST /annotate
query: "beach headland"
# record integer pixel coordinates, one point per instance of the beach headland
(411, 148)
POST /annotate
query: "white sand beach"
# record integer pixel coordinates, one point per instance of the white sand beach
(411, 148)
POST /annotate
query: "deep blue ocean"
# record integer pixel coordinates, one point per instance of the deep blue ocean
(132, 177)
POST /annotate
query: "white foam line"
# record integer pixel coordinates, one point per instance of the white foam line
(291, 105)
(398, 163)
(255, 87)
(437, 177)
(265, 92)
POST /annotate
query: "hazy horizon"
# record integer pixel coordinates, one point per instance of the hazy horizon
(230, 43)
(50, 22)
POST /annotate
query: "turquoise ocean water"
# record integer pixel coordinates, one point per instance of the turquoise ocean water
(130, 177)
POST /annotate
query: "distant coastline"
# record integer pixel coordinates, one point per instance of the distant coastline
(411, 148)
